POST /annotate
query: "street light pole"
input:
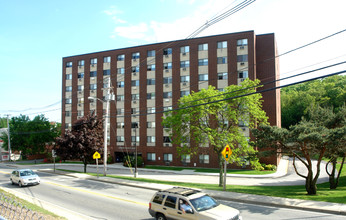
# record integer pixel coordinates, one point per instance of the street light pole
(105, 137)
(9, 138)
(136, 172)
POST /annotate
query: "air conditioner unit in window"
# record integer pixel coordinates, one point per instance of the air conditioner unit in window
(184, 54)
(242, 48)
(92, 91)
(92, 65)
(184, 69)
(166, 145)
(166, 85)
(242, 79)
(166, 70)
(79, 79)
(184, 84)
(166, 55)
(134, 73)
(242, 64)
(80, 105)
(134, 101)
(166, 100)
(243, 129)
(134, 59)
(79, 67)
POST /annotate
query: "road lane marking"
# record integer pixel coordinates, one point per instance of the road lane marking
(98, 194)
(4, 172)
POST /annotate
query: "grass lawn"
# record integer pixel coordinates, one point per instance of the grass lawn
(294, 192)
(209, 170)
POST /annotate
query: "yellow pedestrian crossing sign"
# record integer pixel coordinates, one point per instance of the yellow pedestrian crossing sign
(96, 155)
(226, 152)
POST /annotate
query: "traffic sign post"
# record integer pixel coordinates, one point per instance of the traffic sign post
(54, 156)
(96, 156)
(226, 153)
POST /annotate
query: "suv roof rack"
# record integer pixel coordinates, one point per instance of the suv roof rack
(181, 191)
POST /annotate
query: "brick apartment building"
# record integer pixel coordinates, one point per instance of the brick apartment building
(151, 78)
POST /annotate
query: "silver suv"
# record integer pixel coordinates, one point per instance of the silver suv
(186, 203)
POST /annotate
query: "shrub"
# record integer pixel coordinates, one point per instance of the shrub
(132, 162)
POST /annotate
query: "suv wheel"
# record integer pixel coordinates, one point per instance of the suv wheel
(160, 217)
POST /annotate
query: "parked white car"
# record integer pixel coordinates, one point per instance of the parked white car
(24, 177)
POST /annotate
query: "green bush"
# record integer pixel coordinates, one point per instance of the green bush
(132, 162)
(270, 167)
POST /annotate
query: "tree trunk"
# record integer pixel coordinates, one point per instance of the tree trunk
(332, 182)
(310, 184)
(221, 170)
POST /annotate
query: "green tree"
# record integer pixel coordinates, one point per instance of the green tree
(314, 136)
(213, 117)
(295, 100)
(85, 138)
(30, 137)
(3, 122)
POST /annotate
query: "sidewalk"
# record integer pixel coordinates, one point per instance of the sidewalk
(283, 176)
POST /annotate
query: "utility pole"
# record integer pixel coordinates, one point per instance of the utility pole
(136, 172)
(9, 138)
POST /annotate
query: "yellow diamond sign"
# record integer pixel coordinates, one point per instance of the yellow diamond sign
(96, 155)
(226, 152)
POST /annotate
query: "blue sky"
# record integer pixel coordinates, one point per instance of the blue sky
(35, 35)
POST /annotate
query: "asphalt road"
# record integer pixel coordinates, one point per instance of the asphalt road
(97, 200)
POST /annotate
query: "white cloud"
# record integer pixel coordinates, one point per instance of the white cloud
(113, 13)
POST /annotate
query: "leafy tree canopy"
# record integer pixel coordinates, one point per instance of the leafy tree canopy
(213, 117)
(295, 100)
(30, 136)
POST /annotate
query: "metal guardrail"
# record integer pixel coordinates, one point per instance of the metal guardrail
(11, 209)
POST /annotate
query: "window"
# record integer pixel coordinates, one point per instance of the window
(68, 76)
(135, 83)
(68, 89)
(202, 62)
(151, 110)
(203, 158)
(150, 82)
(67, 114)
(120, 84)
(135, 69)
(167, 66)
(221, 76)
(151, 124)
(106, 72)
(135, 97)
(135, 55)
(120, 111)
(168, 158)
(185, 158)
(80, 113)
(167, 80)
(120, 98)
(134, 111)
(106, 59)
(121, 70)
(167, 108)
(151, 157)
(184, 49)
(184, 64)
(203, 47)
(80, 62)
(151, 67)
(93, 86)
(93, 61)
(185, 79)
(80, 75)
(150, 139)
(167, 51)
(134, 125)
(80, 88)
(67, 125)
(243, 74)
(69, 64)
(93, 74)
(68, 101)
(151, 53)
(171, 201)
(184, 93)
(221, 89)
(242, 42)
(105, 85)
(159, 198)
(166, 139)
(134, 138)
(203, 77)
(151, 95)
(242, 58)
(120, 139)
(221, 60)
(222, 44)
(167, 95)
(121, 57)
(120, 124)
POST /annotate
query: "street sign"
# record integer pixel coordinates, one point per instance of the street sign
(53, 153)
(226, 152)
(96, 155)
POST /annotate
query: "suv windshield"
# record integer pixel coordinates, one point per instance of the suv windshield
(204, 203)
